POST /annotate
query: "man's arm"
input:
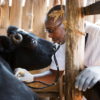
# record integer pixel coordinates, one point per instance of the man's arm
(47, 76)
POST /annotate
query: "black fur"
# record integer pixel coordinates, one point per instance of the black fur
(31, 53)
(27, 54)
(11, 88)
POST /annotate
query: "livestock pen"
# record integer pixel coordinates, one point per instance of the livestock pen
(30, 15)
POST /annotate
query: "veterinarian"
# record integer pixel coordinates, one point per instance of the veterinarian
(56, 30)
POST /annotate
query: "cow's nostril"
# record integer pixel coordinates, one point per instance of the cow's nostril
(17, 38)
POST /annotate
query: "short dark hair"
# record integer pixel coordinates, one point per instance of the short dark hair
(57, 7)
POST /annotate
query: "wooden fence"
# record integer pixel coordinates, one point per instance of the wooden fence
(27, 14)
(24, 14)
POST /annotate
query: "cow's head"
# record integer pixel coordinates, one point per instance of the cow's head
(26, 49)
(22, 38)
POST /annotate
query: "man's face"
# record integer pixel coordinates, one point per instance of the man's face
(55, 30)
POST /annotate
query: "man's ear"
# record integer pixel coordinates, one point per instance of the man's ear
(5, 44)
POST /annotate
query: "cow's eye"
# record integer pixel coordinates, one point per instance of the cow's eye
(33, 42)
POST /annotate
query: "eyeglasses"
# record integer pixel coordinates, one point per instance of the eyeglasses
(53, 28)
(50, 30)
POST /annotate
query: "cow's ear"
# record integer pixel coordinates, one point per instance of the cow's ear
(11, 30)
(5, 44)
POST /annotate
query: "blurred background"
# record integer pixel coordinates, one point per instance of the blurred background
(30, 14)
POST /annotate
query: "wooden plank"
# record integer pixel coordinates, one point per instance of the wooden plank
(89, 18)
(27, 15)
(50, 95)
(56, 2)
(92, 9)
(61, 88)
(3, 31)
(74, 47)
(39, 13)
(4, 17)
(16, 13)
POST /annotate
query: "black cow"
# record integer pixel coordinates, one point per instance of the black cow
(21, 49)
(11, 88)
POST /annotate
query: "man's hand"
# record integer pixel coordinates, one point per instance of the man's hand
(24, 75)
(88, 78)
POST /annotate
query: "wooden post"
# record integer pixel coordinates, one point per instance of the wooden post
(4, 18)
(74, 47)
(27, 15)
(39, 13)
(16, 13)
